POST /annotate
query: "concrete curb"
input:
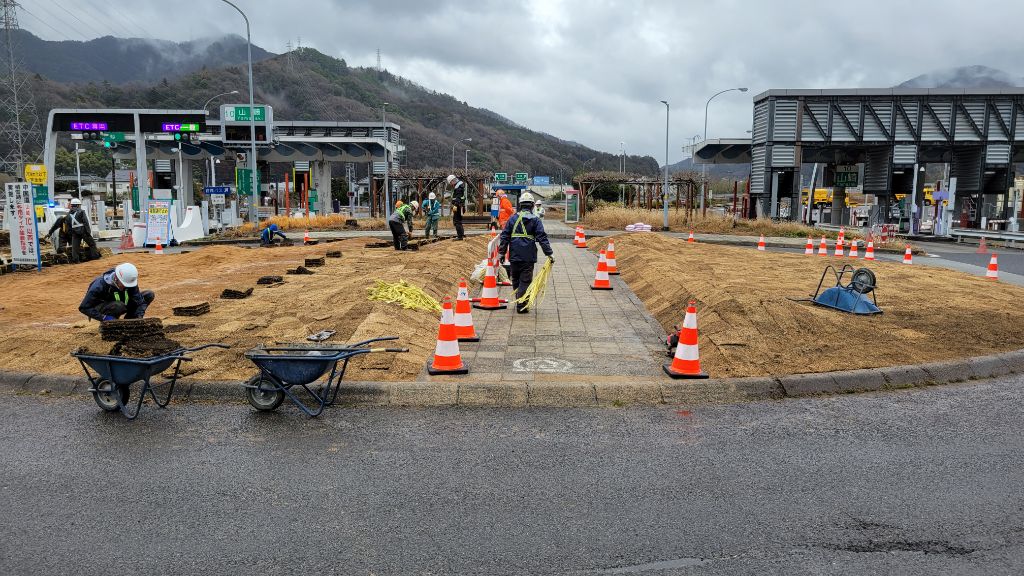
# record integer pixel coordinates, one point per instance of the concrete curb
(584, 393)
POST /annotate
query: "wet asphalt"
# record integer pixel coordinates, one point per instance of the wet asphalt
(924, 481)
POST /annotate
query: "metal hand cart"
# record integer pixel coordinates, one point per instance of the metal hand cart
(283, 368)
(114, 375)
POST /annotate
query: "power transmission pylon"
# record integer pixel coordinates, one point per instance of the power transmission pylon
(19, 125)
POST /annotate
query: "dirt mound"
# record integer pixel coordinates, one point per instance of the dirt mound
(749, 327)
(40, 323)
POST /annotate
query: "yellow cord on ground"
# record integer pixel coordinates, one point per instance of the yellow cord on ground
(405, 294)
(535, 292)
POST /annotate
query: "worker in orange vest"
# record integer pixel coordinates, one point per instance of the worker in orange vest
(505, 209)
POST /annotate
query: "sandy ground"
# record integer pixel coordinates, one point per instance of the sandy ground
(748, 327)
(40, 323)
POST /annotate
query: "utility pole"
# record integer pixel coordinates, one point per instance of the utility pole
(387, 159)
(664, 189)
(78, 169)
(19, 127)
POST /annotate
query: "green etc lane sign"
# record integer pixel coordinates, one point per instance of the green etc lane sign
(241, 114)
(501, 176)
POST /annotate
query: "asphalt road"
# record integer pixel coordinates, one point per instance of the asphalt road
(924, 481)
(1010, 260)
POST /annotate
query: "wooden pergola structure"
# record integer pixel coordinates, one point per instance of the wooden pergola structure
(417, 183)
(641, 191)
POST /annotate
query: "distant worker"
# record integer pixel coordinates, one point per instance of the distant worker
(400, 217)
(432, 209)
(62, 239)
(505, 209)
(520, 237)
(268, 234)
(458, 205)
(80, 231)
(116, 293)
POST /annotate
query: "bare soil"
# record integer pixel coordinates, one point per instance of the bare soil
(749, 327)
(40, 323)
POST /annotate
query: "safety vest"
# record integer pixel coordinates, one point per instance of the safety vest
(117, 297)
(519, 229)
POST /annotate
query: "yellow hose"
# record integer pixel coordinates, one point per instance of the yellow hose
(404, 294)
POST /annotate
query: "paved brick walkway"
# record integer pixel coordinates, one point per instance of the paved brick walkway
(576, 334)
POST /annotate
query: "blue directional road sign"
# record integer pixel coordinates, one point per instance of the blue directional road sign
(542, 180)
(217, 190)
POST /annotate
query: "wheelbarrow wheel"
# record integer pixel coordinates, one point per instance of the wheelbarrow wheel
(261, 396)
(106, 395)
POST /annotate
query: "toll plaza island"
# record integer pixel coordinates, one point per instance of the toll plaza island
(876, 145)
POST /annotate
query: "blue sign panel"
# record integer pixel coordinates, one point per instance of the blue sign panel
(217, 190)
(542, 180)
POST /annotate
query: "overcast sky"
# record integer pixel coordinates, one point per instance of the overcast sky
(594, 71)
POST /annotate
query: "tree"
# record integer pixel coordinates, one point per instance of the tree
(93, 163)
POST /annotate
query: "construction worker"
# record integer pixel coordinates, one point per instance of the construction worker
(505, 209)
(520, 237)
(432, 209)
(80, 232)
(268, 234)
(62, 227)
(458, 204)
(116, 293)
(401, 216)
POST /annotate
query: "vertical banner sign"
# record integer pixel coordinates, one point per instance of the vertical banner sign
(158, 222)
(572, 206)
(25, 230)
(495, 205)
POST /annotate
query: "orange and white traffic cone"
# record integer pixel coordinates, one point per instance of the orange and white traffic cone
(869, 254)
(760, 244)
(853, 248)
(686, 363)
(609, 259)
(464, 329)
(839, 247)
(823, 247)
(982, 246)
(993, 268)
(583, 238)
(305, 237)
(576, 237)
(601, 281)
(842, 234)
(690, 239)
(447, 358)
(159, 247)
(809, 248)
(489, 295)
(908, 256)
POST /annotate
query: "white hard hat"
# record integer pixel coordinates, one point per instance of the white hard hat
(526, 197)
(415, 205)
(432, 196)
(450, 178)
(127, 274)
(76, 202)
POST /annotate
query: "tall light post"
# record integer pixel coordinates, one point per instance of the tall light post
(466, 167)
(253, 216)
(622, 169)
(453, 150)
(664, 189)
(703, 167)
(213, 165)
(387, 162)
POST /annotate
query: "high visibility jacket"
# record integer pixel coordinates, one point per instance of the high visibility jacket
(103, 290)
(402, 213)
(521, 235)
(505, 211)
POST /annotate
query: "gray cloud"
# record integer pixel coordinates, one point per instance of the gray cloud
(594, 71)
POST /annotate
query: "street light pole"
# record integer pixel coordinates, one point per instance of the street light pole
(622, 170)
(253, 216)
(213, 165)
(453, 150)
(466, 168)
(387, 163)
(78, 170)
(664, 189)
(703, 167)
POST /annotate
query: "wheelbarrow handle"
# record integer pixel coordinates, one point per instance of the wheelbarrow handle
(365, 342)
(215, 345)
(373, 350)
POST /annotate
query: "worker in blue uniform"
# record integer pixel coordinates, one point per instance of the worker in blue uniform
(116, 293)
(520, 237)
(268, 234)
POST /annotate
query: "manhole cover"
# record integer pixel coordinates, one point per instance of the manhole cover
(550, 365)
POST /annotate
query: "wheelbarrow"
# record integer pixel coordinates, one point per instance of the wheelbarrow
(114, 375)
(283, 368)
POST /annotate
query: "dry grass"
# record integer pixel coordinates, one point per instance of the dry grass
(617, 218)
(328, 222)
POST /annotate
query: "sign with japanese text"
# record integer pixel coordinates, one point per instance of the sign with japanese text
(25, 229)
(158, 222)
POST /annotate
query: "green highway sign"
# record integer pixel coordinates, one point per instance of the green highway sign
(241, 114)
(847, 176)
(522, 176)
(115, 136)
(40, 194)
(243, 181)
(501, 176)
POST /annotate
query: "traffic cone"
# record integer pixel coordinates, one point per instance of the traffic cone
(609, 258)
(447, 358)
(869, 254)
(576, 237)
(839, 247)
(583, 238)
(686, 363)
(823, 247)
(993, 268)
(127, 242)
(853, 248)
(809, 248)
(908, 256)
(464, 329)
(842, 234)
(760, 244)
(159, 247)
(601, 278)
(305, 237)
(690, 239)
(982, 246)
(489, 295)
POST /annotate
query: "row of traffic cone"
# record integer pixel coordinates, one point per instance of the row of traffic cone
(869, 252)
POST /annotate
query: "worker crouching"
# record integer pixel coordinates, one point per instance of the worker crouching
(520, 237)
(401, 217)
(269, 233)
(116, 293)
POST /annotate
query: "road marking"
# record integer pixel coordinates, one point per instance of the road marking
(545, 365)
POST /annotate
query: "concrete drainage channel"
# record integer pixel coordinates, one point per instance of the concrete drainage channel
(589, 392)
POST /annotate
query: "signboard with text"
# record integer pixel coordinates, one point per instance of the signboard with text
(241, 114)
(501, 176)
(542, 180)
(847, 176)
(35, 173)
(522, 177)
(24, 229)
(158, 222)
